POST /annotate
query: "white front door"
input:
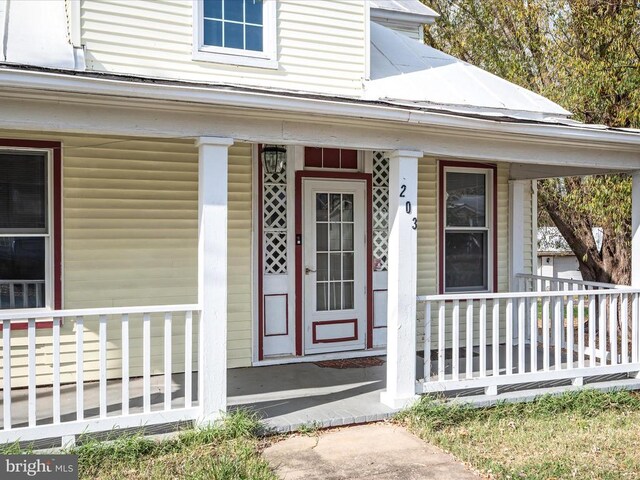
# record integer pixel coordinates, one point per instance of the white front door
(334, 265)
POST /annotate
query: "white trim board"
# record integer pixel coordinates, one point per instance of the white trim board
(280, 101)
(22, 112)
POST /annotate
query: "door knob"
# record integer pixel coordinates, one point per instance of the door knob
(307, 271)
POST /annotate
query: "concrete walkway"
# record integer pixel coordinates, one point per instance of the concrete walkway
(374, 451)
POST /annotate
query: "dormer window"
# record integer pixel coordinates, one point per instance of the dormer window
(240, 32)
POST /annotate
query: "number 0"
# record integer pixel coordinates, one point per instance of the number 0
(407, 207)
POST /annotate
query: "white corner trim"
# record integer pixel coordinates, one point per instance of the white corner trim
(234, 56)
(4, 7)
(75, 25)
(367, 42)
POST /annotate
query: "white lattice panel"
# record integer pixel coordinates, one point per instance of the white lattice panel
(380, 219)
(274, 206)
(275, 252)
(274, 216)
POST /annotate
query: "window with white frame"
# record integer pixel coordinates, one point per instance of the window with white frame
(25, 227)
(240, 32)
(467, 236)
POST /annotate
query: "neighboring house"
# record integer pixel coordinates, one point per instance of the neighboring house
(555, 257)
(306, 178)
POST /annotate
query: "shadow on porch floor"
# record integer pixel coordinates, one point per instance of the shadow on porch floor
(305, 394)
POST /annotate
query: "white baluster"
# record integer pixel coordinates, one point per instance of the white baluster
(441, 340)
(469, 338)
(167, 361)
(56, 370)
(79, 368)
(31, 326)
(546, 351)
(102, 339)
(188, 357)
(125, 363)
(624, 312)
(146, 362)
(6, 372)
(495, 332)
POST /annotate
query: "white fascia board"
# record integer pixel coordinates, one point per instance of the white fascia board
(402, 18)
(24, 82)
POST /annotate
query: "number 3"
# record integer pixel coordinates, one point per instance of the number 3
(415, 223)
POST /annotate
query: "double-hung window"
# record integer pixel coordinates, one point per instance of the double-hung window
(240, 32)
(25, 229)
(467, 240)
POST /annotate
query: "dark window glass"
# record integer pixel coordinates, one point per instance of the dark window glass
(22, 272)
(254, 38)
(253, 11)
(233, 10)
(23, 197)
(213, 33)
(23, 211)
(466, 261)
(213, 9)
(466, 199)
(233, 35)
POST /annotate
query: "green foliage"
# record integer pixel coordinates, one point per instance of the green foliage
(227, 450)
(584, 55)
(586, 434)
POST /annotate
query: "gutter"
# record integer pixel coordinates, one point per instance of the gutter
(140, 88)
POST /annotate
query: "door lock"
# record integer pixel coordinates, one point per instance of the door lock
(307, 271)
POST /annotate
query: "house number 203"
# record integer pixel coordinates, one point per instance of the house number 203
(408, 207)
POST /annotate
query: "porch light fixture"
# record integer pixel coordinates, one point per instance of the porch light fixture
(274, 158)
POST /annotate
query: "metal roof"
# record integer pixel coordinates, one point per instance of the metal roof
(407, 72)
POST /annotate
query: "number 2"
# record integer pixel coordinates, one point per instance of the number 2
(403, 188)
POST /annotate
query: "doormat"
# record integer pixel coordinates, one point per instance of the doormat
(363, 362)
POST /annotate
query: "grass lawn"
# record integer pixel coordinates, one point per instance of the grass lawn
(230, 450)
(585, 435)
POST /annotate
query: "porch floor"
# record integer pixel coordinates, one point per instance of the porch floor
(305, 394)
(285, 397)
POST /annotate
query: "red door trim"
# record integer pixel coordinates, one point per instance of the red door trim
(56, 148)
(299, 234)
(260, 259)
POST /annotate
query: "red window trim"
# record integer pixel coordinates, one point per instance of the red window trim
(442, 164)
(56, 184)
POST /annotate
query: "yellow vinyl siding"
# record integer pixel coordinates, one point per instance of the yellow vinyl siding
(320, 44)
(428, 241)
(130, 238)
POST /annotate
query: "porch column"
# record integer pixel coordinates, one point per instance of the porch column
(635, 229)
(402, 278)
(516, 228)
(212, 276)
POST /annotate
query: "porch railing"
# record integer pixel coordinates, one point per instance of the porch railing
(497, 339)
(539, 283)
(66, 363)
